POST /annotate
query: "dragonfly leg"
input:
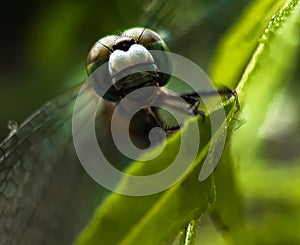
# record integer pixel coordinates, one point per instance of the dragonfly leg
(194, 109)
(229, 92)
(159, 123)
(191, 97)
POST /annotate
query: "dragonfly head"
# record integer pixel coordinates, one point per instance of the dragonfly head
(130, 64)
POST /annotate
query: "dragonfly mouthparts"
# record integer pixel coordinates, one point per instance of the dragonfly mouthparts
(136, 81)
(135, 76)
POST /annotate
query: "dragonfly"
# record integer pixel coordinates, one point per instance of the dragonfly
(46, 197)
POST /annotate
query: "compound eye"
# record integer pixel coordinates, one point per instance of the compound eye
(99, 53)
(146, 37)
(98, 56)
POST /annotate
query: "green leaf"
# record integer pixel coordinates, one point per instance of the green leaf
(159, 217)
(257, 56)
(189, 236)
(241, 41)
(267, 67)
(270, 67)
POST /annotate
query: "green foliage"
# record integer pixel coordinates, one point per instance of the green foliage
(261, 58)
(152, 219)
(235, 51)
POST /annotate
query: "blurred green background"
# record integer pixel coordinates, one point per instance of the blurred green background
(43, 51)
(44, 45)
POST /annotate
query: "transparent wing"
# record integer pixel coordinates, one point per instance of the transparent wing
(45, 195)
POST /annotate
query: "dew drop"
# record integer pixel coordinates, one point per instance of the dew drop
(12, 127)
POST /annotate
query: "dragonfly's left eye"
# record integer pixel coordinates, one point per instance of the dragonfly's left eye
(100, 53)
